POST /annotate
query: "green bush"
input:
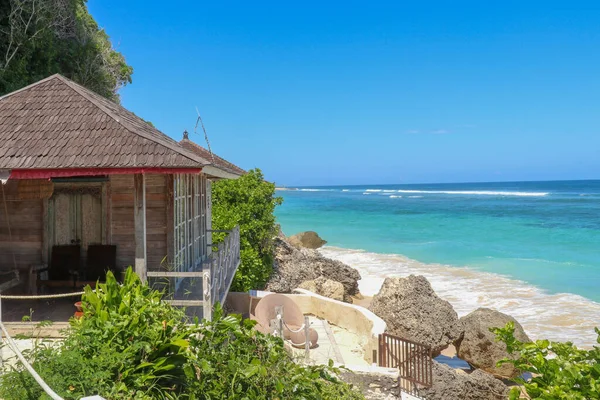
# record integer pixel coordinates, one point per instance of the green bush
(559, 371)
(129, 345)
(249, 202)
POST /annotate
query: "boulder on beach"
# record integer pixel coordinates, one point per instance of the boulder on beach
(308, 240)
(292, 267)
(325, 287)
(452, 384)
(413, 311)
(478, 346)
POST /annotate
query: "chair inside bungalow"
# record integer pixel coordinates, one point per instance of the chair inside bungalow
(64, 264)
(101, 258)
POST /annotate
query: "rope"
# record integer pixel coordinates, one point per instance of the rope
(291, 330)
(40, 297)
(8, 224)
(38, 379)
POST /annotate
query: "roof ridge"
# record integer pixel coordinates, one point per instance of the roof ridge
(31, 85)
(171, 146)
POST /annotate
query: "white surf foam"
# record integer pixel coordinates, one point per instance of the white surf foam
(395, 197)
(561, 316)
(373, 190)
(477, 192)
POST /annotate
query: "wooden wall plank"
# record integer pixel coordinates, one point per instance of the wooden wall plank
(139, 218)
(169, 224)
(25, 220)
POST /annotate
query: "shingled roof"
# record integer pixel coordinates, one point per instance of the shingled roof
(56, 123)
(215, 159)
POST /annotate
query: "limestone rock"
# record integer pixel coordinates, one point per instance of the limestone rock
(413, 311)
(325, 287)
(292, 267)
(311, 286)
(374, 385)
(308, 239)
(449, 384)
(478, 346)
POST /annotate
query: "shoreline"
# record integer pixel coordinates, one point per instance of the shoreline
(559, 317)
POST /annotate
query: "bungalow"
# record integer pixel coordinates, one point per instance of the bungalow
(88, 186)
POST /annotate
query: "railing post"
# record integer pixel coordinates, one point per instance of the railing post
(215, 275)
(306, 339)
(279, 320)
(206, 290)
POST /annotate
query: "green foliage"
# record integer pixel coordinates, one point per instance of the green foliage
(249, 202)
(39, 38)
(239, 362)
(129, 345)
(559, 370)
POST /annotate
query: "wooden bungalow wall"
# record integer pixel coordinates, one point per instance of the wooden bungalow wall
(122, 221)
(25, 217)
(27, 225)
(29, 239)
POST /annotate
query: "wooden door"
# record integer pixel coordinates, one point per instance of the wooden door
(75, 217)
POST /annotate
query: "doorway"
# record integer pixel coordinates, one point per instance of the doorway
(75, 221)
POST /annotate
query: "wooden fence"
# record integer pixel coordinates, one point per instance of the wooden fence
(414, 360)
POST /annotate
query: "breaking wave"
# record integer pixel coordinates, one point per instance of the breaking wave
(544, 315)
(477, 192)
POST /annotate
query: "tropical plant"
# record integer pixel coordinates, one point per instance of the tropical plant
(249, 202)
(39, 38)
(130, 345)
(555, 370)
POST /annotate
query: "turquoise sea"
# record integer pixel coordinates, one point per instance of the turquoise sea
(531, 249)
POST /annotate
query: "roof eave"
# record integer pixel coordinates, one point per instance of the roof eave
(218, 173)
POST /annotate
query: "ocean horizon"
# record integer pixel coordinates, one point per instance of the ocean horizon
(529, 249)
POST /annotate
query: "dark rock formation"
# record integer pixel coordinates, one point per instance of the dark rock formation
(413, 311)
(478, 346)
(451, 384)
(308, 240)
(292, 267)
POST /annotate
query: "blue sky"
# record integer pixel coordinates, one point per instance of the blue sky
(318, 93)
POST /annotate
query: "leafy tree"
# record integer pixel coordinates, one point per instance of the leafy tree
(559, 371)
(39, 38)
(249, 202)
(130, 345)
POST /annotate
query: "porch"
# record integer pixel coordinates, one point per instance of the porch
(216, 273)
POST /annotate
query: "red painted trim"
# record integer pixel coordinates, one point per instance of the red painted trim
(69, 172)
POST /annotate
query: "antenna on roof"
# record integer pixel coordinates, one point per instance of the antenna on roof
(199, 119)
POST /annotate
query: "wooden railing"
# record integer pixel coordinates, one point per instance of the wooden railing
(216, 273)
(414, 360)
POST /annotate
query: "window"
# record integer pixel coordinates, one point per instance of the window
(190, 234)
